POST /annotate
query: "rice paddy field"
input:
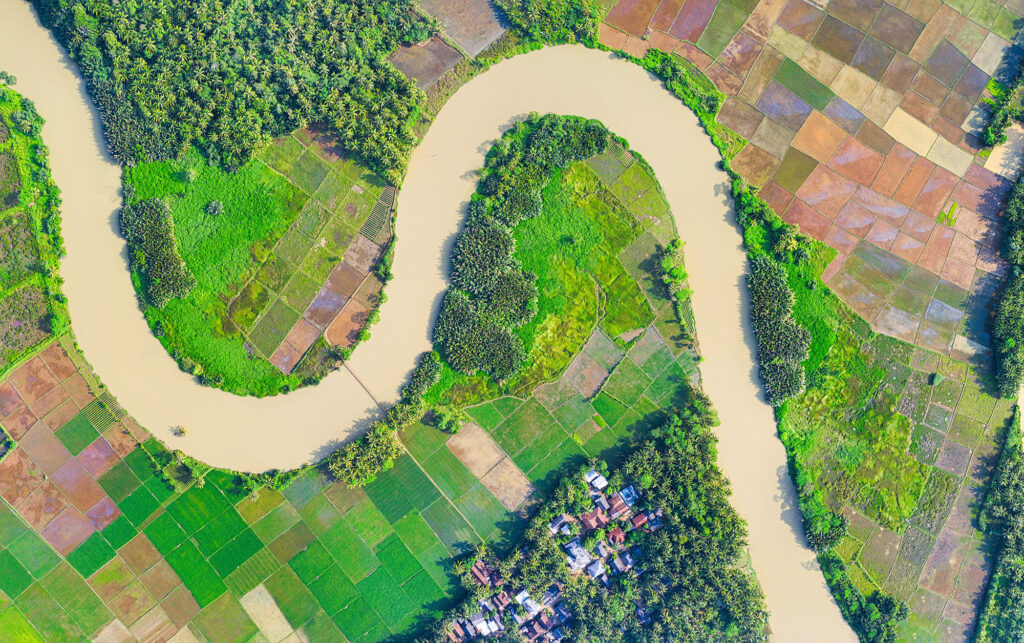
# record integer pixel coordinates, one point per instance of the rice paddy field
(903, 442)
(96, 542)
(294, 247)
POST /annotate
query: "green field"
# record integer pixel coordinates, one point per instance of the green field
(287, 219)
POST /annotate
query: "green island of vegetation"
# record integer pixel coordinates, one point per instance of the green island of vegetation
(285, 260)
(32, 308)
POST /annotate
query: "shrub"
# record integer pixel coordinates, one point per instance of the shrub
(511, 300)
(553, 21)
(782, 344)
(153, 249)
(1008, 333)
(425, 375)
(481, 253)
(359, 462)
(214, 208)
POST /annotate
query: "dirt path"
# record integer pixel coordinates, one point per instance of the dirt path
(285, 431)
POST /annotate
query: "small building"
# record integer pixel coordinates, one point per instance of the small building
(531, 606)
(562, 613)
(501, 601)
(600, 501)
(551, 596)
(618, 506)
(556, 635)
(617, 536)
(560, 524)
(596, 480)
(458, 633)
(596, 571)
(629, 495)
(578, 557)
(639, 520)
(617, 565)
(601, 550)
(594, 520)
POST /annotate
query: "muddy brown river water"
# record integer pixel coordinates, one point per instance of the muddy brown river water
(286, 431)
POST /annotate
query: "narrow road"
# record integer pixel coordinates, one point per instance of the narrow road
(285, 431)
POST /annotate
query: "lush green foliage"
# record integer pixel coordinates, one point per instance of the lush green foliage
(1013, 225)
(32, 307)
(553, 21)
(1006, 108)
(359, 462)
(491, 294)
(1008, 327)
(1002, 520)
(1008, 334)
(168, 75)
(782, 344)
(425, 375)
(153, 249)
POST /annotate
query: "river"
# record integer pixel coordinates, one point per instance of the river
(285, 431)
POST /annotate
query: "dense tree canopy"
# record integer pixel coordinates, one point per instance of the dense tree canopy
(229, 76)
(491, 294)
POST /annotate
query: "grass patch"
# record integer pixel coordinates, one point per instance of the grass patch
(14, 578)
(231, 556)
(34, 554)
(77, 434)
(450, 527)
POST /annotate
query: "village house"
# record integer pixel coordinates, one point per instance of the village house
(617, 536)
(596, 480)
(531, 606)
(485, 575)
(618, 506)
(560, 524)
(594, 520)
(596, 571)
(578, 557)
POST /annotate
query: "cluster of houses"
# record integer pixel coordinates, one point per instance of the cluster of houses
(543, 620)
(617, 515)
(537, 620)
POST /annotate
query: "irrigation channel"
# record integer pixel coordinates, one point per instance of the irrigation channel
(288, 430)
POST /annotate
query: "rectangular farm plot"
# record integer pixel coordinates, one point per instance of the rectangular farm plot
(396, 558)
(482, 510)
(271, 330)
(385, 596)
(353, 555)
(453, 530)
(197, 574)
(333, 590)
(417, 535)
(523, 426)
(448, 473)
(296, 602)
(367, 521)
